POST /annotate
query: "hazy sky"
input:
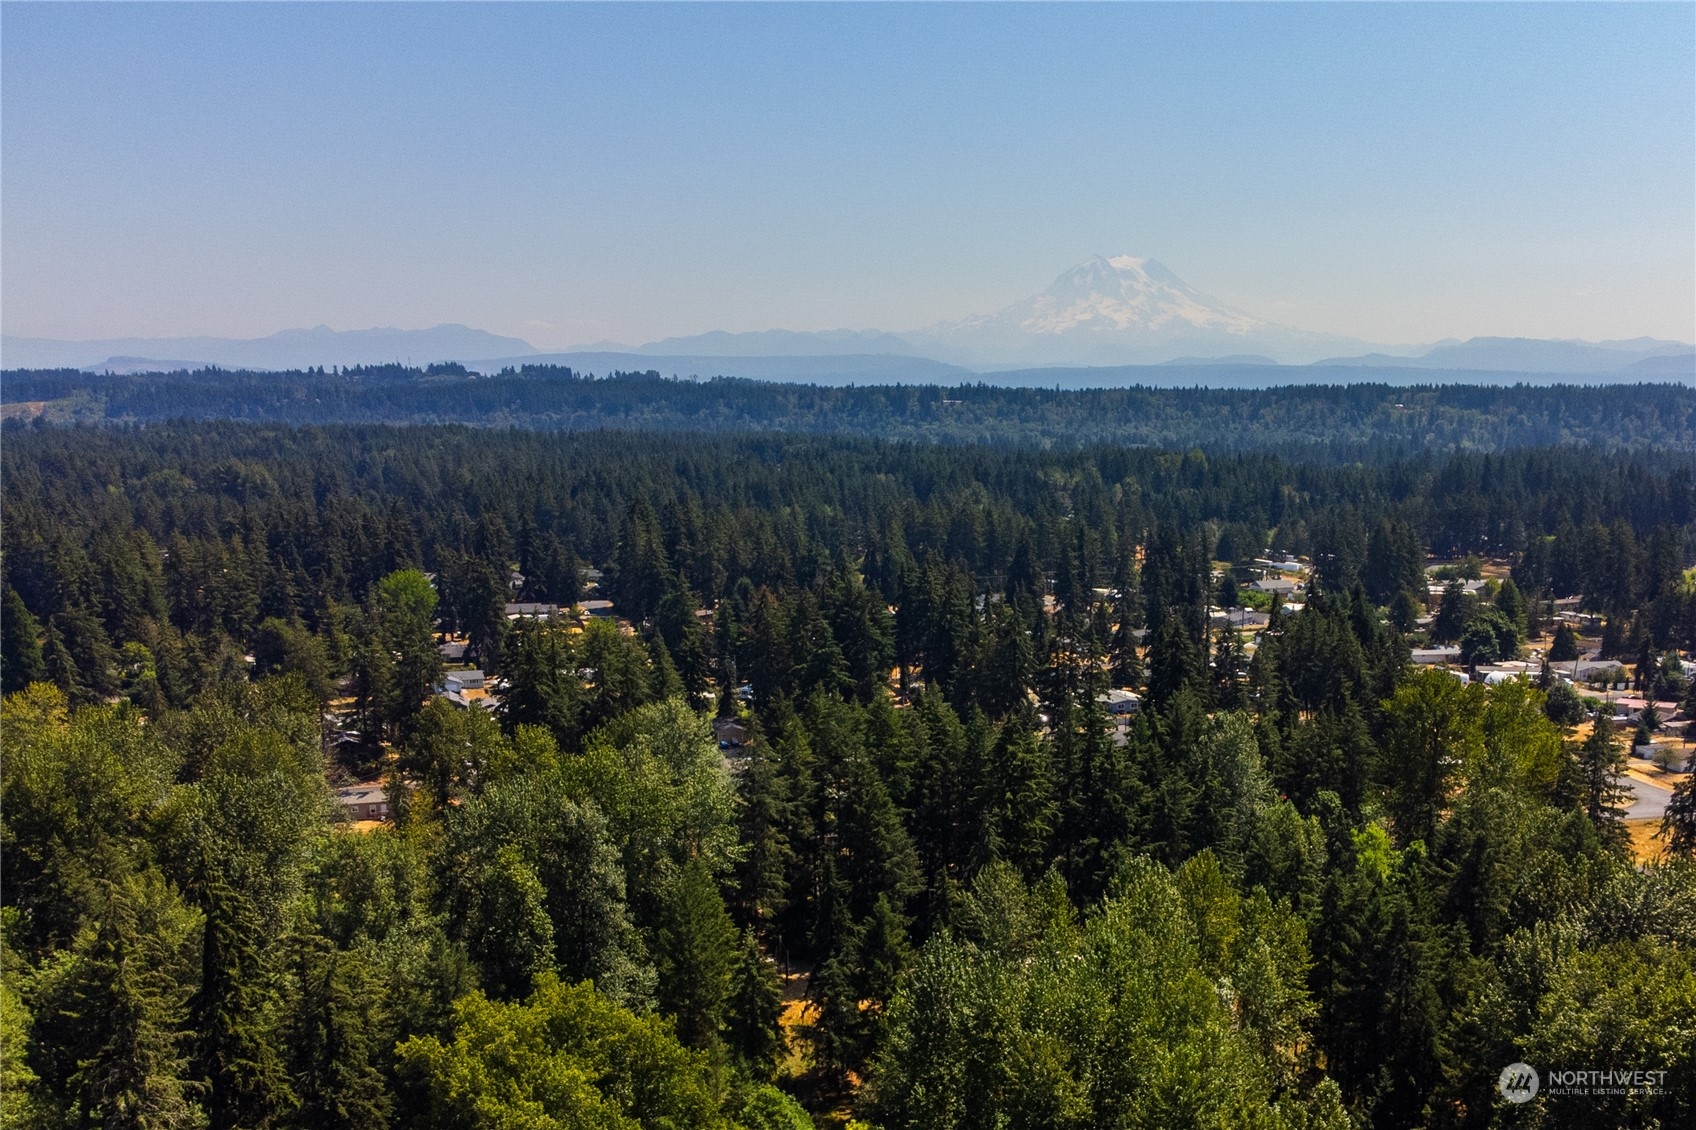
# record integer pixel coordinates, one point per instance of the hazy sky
(576, 172)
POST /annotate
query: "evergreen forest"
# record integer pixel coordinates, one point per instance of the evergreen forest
(886, 758)
(1375, 414)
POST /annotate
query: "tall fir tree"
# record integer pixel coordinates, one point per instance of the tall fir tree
(237, 1052)
(332, 1035)
(21, 662)
(1599, 768)
(752, 1028)
(696, 952)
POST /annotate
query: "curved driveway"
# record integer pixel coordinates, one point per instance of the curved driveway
(1648, 801)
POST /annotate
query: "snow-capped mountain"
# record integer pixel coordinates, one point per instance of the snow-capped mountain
(1123, 293)
(1118, 310)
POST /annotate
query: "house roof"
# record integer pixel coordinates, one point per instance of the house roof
(471, 697)
(530, 608)
(1119, 697)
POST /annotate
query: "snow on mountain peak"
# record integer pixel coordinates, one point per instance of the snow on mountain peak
(1125, 293)
(1118, 310)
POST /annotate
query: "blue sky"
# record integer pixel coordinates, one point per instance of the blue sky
(568, 173)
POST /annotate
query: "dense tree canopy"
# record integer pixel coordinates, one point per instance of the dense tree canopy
(1001, 816)
(1330, 420)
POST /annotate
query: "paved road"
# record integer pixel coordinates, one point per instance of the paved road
(1649, 800)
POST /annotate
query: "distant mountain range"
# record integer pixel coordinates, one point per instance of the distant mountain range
(1530, 355)
(820, 369)
(1119, 311)
(286, 349)
(1104, 313)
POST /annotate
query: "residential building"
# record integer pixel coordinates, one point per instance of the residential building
(369, 801)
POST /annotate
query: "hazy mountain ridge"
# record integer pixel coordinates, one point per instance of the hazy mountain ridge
(1534, 355)
(777, 343)
(1106, 313)
(824, 369)
(285, 349)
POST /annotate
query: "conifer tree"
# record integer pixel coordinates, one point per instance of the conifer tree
(863, 627)
(1512, 605)
(1025, 583)
(1454, 611)
(1228, 662)
(763, 874)
(880, 859)
(840, 1031)
(331, 1034)
(20, 646)
(821, 665)
(685, 638)
(696, 950)
(1009, 663)
(406, 607)
(110, 1023)
(553, 573)
(620, 679)
(1431, 734)
(60, 665)
(664, 681)
(1017, 798)
(883, 951)
(1125, 668)
(1646, 673)
(640, 574)
(751, 1022)
(950, 634)
(543, 687)
(1564, 649)
(943, 781)
(237, 1054)
(1678, 822)
(1614, 639)
(765, 659)
(1173, 663)
(1394, 562)
(1600, 777)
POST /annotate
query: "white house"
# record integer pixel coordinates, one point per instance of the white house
(1288, 565)
(1120, 702)
(462, 681)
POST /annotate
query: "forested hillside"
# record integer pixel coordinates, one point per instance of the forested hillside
(844, 735)
(1312, 421)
